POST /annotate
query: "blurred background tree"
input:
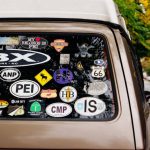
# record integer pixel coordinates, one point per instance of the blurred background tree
(137, 16)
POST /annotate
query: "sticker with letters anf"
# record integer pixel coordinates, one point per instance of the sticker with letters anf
(43, 77)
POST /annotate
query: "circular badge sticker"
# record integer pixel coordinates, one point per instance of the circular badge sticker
(63, 76)
(68, 94)
(96, 88)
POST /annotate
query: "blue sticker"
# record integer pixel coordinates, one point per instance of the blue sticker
(63, 76)
(99, 62)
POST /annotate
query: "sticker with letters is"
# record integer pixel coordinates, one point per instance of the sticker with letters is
(43, 77)
(59, 44)
(63, 76)
(10, 74)
(96, 88)
(21, 58)
(49, 93)
(24, 89)
(34, 43)
(64, 59)
(36, 108)
(16, 110)
(3, 104)
(9, 41)
(58, 110)
(68, 94)
(98, 72)
(89, 106)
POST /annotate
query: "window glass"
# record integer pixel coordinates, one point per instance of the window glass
(56, 76)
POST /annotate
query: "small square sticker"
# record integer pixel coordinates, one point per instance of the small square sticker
(64, 59)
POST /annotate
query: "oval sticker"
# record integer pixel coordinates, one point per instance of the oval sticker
(21, 58)
(58, 110)
(89, 106)
(68, 94)
(24, 89)
(34, 43)
(96, 88)
(10, 74)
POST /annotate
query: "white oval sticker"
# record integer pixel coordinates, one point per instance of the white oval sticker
(89, 106)
(24, 89)
(68, 94)
(58, 110)
(10, 74)
(96, 88)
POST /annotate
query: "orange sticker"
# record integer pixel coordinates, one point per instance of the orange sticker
(59, 44)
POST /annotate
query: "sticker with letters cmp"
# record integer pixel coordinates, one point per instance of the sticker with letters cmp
(24, 89)
(21, 58)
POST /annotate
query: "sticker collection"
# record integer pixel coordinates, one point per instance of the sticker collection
(55, 75)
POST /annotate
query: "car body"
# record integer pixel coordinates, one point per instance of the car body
(125, 129)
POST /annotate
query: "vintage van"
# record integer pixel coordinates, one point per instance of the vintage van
(69, 78)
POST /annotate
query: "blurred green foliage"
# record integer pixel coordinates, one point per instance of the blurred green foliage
(138, 23)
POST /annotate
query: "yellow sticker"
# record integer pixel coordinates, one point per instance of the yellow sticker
(43, 77)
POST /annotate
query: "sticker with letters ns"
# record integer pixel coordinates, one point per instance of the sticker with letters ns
(24, 89)
(21, 58)
(89, 106)
(10, 74)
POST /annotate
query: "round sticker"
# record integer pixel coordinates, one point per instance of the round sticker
(58, 110)
(96, 88)
(68, 94)
(63, 76)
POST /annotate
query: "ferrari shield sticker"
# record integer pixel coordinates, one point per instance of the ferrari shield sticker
(56, 76)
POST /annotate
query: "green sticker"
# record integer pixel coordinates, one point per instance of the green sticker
(35, 107)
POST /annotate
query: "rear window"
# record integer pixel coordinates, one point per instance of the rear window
(56, 76)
